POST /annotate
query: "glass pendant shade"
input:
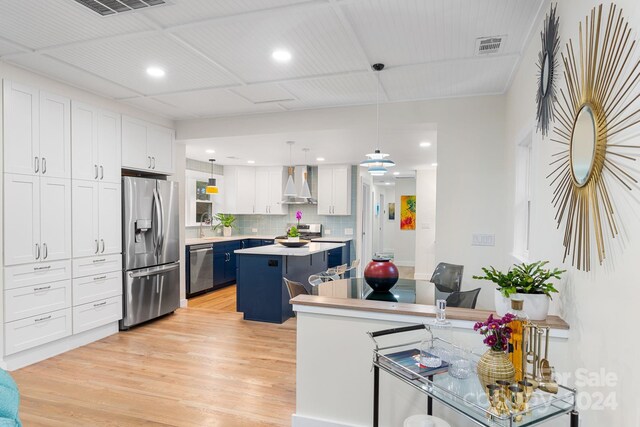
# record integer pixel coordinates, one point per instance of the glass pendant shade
(377, 161)
(377, 170)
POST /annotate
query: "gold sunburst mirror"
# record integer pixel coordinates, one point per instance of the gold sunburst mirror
(594, 115)
(547, 69)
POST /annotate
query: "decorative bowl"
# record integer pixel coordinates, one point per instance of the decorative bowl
(290, 244)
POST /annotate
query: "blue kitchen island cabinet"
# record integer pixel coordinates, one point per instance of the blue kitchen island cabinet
(260, 290)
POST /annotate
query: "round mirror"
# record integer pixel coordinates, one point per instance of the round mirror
(545, 74)
(583, 145)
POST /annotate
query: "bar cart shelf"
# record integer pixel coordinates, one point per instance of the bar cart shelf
(464, 396)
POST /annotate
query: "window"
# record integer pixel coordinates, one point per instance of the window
(197, 201)
(523, 208)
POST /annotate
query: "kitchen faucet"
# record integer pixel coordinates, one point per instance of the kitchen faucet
(208, 222)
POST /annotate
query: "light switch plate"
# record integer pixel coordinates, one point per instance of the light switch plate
(254, 230)
(348, 231)
(478, 239)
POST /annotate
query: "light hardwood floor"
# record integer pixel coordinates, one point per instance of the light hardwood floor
(202, 366)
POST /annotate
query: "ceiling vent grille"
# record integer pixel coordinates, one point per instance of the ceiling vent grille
(489, 45)
(114, 7)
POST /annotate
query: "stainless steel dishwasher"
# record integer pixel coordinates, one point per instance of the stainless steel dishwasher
(200, 269)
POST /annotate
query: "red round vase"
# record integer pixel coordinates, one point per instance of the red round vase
(381, 274)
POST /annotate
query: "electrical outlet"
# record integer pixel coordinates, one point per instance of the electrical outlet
(254, 230)
(348, 231)
(483, 239)
(327, 232)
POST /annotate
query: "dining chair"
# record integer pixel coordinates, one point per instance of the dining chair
(353, 267)
(463, 299)
(447, 279)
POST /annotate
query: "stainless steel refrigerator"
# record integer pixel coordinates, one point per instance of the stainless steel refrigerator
(151, 249)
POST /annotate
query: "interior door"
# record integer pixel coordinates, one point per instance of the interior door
(55, 136)
(110, 218)
(55, 218)
(21, 219)
(109, 146)
(134, 144)
(169, 245)
(160, 148)
(84, 149)
(85, 230)
(21, 135)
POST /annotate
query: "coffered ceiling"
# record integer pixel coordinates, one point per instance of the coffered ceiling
(217, 53)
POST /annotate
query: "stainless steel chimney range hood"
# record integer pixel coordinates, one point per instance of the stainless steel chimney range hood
(300, 174)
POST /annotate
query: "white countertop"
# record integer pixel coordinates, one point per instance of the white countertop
(341, 239)
(219, 239)
(280, 250)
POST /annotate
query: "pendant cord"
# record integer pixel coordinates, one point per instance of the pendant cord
(378, 111)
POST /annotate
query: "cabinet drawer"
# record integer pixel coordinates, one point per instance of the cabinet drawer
(35, 274)
(93, 266)
(37, 330)
(33, 300)
(93, 288)
(94, 314)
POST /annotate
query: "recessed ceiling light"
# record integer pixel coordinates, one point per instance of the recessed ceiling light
(210, 151)
(396, 173)
(387, 183)
(425, 144)
(320, 159)
(434, 164)
(155, 72)
(251, 161)
(281, 55)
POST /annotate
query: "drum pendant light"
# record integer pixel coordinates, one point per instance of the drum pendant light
(377, 162)
(211, 184)
(290, 188)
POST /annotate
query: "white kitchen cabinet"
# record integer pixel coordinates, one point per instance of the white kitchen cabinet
(55, 136)
(21, 134)
(146, 146)
(92, 315)
(96, 144)
(254, 190)
(37, 137)
(97, 287)
(28, 301)
(33, 331)
(37, 219)
(18, 276)
(96, 218)
(55, 218)
(268, 190)
(334, 190)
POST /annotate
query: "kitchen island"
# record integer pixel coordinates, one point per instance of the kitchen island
(261, 294)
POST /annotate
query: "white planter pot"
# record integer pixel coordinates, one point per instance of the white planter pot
(535, 306)
(226, 231)
(293, 239)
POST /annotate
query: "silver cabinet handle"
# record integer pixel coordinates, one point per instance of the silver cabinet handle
(102, 242)
(37, 251)
(97, 246)
(42, 288)
(149, 157)
(45, 251)
(42, 319)
(36, 164)
(99, 278)
(44, 165)
(95, 169)
(100, 304)
(101, 172)
(154, 162)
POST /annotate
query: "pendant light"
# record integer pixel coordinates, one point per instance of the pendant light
(211, 184)
(305, 192)
(290, 188)
(377, 162)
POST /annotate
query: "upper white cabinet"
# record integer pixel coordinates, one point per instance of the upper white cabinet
(334, 190)
(37, 219)
(146, 146)
(96, 218)
(96, 144)
(37, 137)
(254, 190)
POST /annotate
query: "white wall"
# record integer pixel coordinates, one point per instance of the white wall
(426, 183)
(472, 166)
(405, 240)
(179, 176)
(600, 306)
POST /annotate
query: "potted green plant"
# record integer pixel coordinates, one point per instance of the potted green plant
(293, 235)
(531, 283)
(226, 222)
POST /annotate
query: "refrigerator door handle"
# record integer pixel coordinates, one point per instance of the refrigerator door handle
(154, 270)
(158, 226)
(162, 230)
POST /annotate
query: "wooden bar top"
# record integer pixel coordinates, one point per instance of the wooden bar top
(406, 309)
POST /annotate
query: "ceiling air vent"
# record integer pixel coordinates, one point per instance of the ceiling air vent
(113, 7)
(489, 45)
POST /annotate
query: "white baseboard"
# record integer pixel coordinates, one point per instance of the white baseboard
(421, 276)
(304, 421)
(45, 351)
(183, 303)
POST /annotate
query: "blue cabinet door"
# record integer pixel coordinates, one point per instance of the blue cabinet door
(230, 266)
(266, 242)
(219, 262)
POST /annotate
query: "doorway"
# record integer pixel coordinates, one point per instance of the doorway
(366, 222)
